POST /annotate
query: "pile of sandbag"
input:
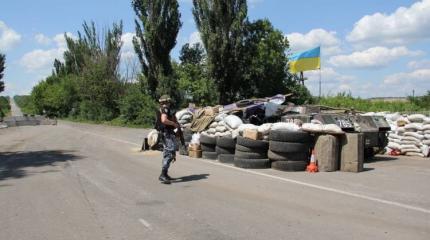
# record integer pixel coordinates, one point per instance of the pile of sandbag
(224, 126)
(263, 130)
(184, 117)
(409, 135)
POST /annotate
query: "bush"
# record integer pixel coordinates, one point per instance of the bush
(4, 106)
(137, 108)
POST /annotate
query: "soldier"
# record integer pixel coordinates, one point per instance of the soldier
(166, 124)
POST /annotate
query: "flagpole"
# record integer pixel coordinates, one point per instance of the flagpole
(319, 92)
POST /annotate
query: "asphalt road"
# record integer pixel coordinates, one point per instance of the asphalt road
(15, 110)
(78, 181)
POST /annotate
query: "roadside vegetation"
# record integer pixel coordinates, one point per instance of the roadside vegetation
(345, 100)
(89, 84)
(4, 107)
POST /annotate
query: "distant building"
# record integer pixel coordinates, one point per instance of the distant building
(390, 99)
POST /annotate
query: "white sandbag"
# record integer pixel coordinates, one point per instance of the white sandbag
(235, 133)
(414, 154)
(420, 132)
(316, 121)
(312, 127)
(187, 117)
(425, 150)
(400, 130)
(233, 121)
(221, 129)
(427, 132)
(394, 136)
(426, 142)
(426, 127)
(415, 135)
(152, 138)
(246, 126)
(182, 122)
(406, 142)
(181, 113)
(426, 120)
(427, 136)
(395, 140)
(414, 127)
(393, 145)
(393, 126)
(368, 114)
(416, 118)
(406, 150)
(265, 128)
(213, 125)
(220, 117)
(217, 134)
(211, 131)
(195, 139)
(332, 128)
(392, 117)
(285, 126)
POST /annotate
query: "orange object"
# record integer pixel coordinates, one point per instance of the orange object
(313, 166)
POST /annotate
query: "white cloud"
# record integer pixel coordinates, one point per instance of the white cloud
(195, 38)
(8, 37)
(375, 57)
(42, 39)
(419, 64)
(402, 26)
(328, 41)
(417, 76)
(41, 59)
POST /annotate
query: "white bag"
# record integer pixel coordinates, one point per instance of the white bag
(285, 126)
(426, 127)
(181, 113)
(393, 145)
(425, 150)
(414, 127)
(213, 125)
(265, 128)
(415, 135)
(414, 154)
(426, 142)
(221, 129)
(233, 121)
(416, 118)
(220, 117)
(312, 127)
(152, 138)
(195, 139)
(332, 128)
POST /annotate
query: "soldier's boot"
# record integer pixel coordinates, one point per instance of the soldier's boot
(163, 177)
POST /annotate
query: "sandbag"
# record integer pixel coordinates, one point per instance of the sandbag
(427, 136)
(181, 113)
(312, 127)
(426, 142)
(242, 127)
(265, 128)
(401, 130)
(416, 118)
(402, 121)
(213, 125)
(285, 126)
(152, 138)
(414, 127)
(221, 129)
(332, 128)
(406, 150)
(425, 150)
(233, 121)
(426, 127)
(415, 135)
(405, 142)
(415, 154)
(220, 117)
(426, 120)
(394, 145)
(394, 136)
(392, 117)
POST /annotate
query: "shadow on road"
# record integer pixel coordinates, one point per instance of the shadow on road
(380, 158)
(195, 177)
(12, 164)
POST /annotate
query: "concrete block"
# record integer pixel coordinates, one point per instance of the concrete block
(352, 152)
(327, 153)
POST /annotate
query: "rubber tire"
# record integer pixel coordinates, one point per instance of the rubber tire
(250, 155)
(208, 148)
(226, 158)
(221, 150)
(290, 136)
(277, 156)
(210, 155)
(226, 142)
(252, 163)
(207, 140)
(288, 147)
(252, 143)
(290, 166)
(247, 149)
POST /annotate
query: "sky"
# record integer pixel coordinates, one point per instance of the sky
(370, 48)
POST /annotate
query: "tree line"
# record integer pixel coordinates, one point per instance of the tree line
(237, 59)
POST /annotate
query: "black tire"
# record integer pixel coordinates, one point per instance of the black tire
(252, 143)
(221, 150)
(226, 158)
(277, 156)
(247, 149)
(290, 136)
(210, 155)
(226, 142)
(207, 140)
(290, 166)
(251, 163)
(208, 148)
(288, 147)
(250, 155)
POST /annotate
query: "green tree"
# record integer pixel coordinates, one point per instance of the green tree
(264, 60)
(136, 107)
(192, 54)
(221, 24)
(157, 26)
(2, 68)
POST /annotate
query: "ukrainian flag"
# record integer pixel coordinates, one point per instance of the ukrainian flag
(307, 60)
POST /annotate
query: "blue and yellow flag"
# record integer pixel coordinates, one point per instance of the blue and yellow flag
(307, 60)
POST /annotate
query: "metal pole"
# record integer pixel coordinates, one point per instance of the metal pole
(319, 91)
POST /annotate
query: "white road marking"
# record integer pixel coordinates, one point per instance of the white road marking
(328, 189)
(145, 223)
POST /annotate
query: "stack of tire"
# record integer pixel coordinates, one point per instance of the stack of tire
(208, 145)
(289, 150)
(225, 148)
(251, 153)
